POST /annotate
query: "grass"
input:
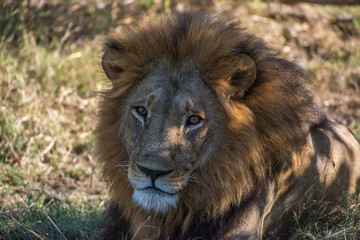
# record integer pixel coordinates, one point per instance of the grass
(47, 111)
(48, 185)
(49, 74)
(339, 220)
(45, 216)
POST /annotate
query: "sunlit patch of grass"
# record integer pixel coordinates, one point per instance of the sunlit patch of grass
(47, 111)
(41, 215)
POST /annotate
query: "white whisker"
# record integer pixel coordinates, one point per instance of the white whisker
(123, 169)
(119, 165)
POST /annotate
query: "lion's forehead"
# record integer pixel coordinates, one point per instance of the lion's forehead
(172, 91)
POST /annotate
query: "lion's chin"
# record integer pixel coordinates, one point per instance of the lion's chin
(152, 199)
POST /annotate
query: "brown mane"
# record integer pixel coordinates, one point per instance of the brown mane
(276, 111)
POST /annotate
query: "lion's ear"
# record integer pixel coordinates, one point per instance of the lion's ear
(110, 59)
(244, 76)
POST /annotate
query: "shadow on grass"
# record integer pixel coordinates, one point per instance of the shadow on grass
(330, 220)
(44, 216)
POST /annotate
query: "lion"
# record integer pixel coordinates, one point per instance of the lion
(205, 133)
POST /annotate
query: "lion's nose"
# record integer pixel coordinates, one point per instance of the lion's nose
(152, 173)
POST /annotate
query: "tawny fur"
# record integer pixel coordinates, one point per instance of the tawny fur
(271, 131)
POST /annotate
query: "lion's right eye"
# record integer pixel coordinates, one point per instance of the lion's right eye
(193, 120)
(141, 111)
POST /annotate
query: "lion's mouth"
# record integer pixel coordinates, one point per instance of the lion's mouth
(155, 190)
(153, 198)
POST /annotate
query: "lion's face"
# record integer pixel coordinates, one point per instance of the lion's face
(169, 127)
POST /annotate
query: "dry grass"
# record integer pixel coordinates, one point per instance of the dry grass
(47, 114)
(50, 70)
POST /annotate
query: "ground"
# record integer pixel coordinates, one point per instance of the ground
(50, 73)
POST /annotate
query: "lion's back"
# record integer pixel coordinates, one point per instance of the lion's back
(338, 158)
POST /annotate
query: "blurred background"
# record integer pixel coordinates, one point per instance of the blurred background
(50, 53)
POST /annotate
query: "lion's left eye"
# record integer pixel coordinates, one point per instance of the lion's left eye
(141, 110)
(194, 120)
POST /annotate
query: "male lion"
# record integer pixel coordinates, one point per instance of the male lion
(206, 134)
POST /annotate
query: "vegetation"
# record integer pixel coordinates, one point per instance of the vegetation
(45, 216)
(339, 220)
(50, 71)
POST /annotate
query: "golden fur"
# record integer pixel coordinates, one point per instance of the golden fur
(266, 143)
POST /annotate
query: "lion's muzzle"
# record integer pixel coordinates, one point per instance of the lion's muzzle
(153, 174)
(153, 188)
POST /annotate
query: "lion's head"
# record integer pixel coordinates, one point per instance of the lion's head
(170, 124)
(175, 106)
(200, 122)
